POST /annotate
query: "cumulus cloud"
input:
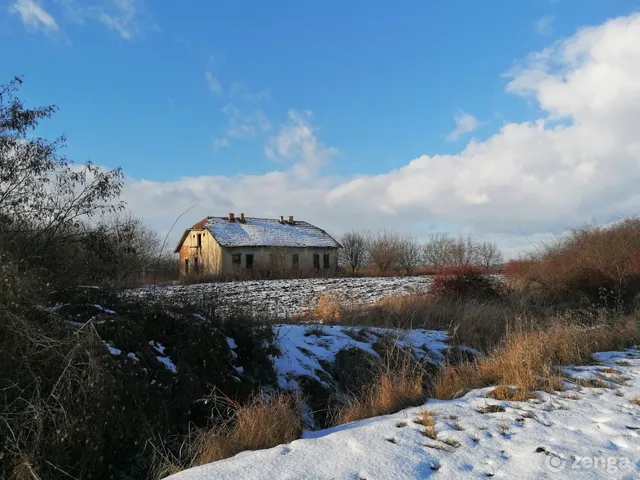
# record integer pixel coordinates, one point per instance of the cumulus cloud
(34, 16)
(578, 162)
(465, 123)
(297, 142)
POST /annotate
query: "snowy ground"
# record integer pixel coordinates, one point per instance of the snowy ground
(580, 433)
(285, 297)
(304, 349)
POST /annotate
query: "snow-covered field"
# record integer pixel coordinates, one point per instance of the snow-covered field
(580, 433)
(286, 297)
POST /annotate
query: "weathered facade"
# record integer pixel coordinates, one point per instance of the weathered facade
(227, 246)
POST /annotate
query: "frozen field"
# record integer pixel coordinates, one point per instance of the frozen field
(285, 297)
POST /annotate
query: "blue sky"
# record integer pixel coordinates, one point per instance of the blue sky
(201, 89)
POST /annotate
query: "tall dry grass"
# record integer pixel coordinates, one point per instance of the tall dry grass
(529, 359)
(264, 422)
(399, 383)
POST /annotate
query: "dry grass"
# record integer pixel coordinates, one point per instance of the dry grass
(636, 401)
(262, 423)
(392, 392)
(329, 307)
(428, 421)
(512, 394)
(527, 357)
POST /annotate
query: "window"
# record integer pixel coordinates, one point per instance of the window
(186, 266)
(196, 265)
(248, 261)
(326, 260)
(236, 259)
(295, 260)
(199, 240)
(316, 261)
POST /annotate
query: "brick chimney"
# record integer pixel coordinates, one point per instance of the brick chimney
(231, 218)
(242, 217)
(290, 219)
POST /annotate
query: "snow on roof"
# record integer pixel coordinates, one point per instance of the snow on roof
(266, 232)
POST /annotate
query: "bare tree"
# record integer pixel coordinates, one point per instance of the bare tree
(354, 250)
(464, 251)
(383, 250)
(409, 253)
(489, 255)
(437, 250)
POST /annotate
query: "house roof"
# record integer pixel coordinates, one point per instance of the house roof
(263, 232)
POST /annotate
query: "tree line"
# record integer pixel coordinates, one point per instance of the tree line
(387, 252)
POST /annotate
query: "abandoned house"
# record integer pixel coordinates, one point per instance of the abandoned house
(219, 246)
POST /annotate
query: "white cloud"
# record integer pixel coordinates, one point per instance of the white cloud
(242, 125)
(298, 143)
(34, 16)
(242, 91)
(544, 25)
(213, 83)
(465, 123)
(528, 180)
(220, 142)
(129, 18)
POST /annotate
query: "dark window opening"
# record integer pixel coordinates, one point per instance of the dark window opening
(248, 259)
(236, 259)
(326, 261)
(199, 240)
(295, 260)
(316, 261)
(186, 266)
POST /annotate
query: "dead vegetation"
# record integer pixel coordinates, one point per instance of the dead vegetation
(530, 356)
(391, 392)
(428, 421)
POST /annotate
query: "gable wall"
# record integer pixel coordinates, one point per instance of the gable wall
(209, 256)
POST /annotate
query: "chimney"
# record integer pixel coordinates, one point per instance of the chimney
(242, 217)
(231, 219)
(290, 219)
(281, 218)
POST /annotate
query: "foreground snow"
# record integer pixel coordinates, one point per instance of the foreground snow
(580, 433)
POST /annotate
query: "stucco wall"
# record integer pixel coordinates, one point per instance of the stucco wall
(278, 258)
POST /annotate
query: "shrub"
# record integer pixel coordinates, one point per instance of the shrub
(592, 266)
(58, 378)
(466, 281)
